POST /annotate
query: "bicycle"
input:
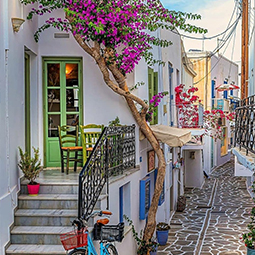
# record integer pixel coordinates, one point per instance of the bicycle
(80, 242)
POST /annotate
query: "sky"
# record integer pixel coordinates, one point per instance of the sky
(216, 15)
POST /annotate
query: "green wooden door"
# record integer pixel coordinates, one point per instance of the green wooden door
(62, 102)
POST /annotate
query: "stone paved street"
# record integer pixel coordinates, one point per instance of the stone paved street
(214, 218)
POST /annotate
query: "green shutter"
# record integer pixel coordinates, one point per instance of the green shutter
(153, 90)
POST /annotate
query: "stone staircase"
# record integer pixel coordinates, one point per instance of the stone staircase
(39, 220)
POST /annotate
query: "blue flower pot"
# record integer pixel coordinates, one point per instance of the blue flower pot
(155, 251)
(162, 236)
(250, 251)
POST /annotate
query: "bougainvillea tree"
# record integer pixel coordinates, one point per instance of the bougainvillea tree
(187, 104)
(117, 35)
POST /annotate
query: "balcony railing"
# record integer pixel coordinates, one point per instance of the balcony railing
(245, 124)
(113, 153)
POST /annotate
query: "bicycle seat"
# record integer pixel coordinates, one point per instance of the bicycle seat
(103, 221)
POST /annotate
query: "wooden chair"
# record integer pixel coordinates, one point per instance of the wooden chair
(89, 136)
(68, 143)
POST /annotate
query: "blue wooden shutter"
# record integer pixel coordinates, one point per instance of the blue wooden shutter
(121, 203)
(213, 89)
(225, 93)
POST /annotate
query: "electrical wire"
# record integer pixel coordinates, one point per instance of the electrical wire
(208, 38)
(216, 61)
(232, 54)
(220, 45)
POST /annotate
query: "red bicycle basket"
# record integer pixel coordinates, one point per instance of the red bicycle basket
(74, 239)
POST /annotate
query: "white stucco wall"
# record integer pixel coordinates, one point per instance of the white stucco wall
(172, 55)
(12, 108)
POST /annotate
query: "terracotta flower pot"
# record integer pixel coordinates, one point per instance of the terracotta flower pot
(33, 190)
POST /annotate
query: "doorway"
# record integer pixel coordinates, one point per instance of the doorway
(62, 102)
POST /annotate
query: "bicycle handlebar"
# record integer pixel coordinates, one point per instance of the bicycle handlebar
(80, 222)
(106, 212)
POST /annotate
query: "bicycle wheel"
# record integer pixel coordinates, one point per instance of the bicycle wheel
(111, 249)
(78, 252)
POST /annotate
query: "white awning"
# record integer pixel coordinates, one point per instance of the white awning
(174, 137)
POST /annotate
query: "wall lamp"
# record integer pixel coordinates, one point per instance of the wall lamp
(16, 23)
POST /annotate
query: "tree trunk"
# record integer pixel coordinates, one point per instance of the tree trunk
(121, 88)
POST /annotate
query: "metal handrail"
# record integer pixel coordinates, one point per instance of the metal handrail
(113, 153)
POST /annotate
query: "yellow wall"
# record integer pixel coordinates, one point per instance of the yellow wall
(204, 84)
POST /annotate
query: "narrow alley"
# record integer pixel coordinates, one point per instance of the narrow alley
(214, 219)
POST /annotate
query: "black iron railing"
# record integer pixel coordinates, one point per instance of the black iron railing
(113, 153)
(245, 124)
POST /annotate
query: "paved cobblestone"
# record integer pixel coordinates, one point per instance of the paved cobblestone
(214, 218)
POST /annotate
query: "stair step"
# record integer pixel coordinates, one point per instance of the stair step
(16, 249)
(38, 234)
(49, 201)
(44, 217)
(53, 188)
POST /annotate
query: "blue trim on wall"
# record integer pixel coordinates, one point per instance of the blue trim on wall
(213, 89)
(144, 197)
(225, 93)
(121, 204)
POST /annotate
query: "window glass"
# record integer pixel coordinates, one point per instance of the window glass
(53, 75)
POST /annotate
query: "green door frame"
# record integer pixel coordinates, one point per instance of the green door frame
(62, 61)
(153, 90)
(27, 104)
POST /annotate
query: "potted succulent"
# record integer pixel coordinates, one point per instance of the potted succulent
(162, 230)
(249, 237)
(31, 167)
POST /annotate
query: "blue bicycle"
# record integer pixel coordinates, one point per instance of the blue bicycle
(80, 242)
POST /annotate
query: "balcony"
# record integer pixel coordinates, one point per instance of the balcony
(244, 142)
(221, 104)
(245, 125)
(190, 116)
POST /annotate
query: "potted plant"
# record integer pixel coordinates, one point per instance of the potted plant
(249, 237)
(162, 230)
(31, 167)
(154, 247)
(143, 247)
